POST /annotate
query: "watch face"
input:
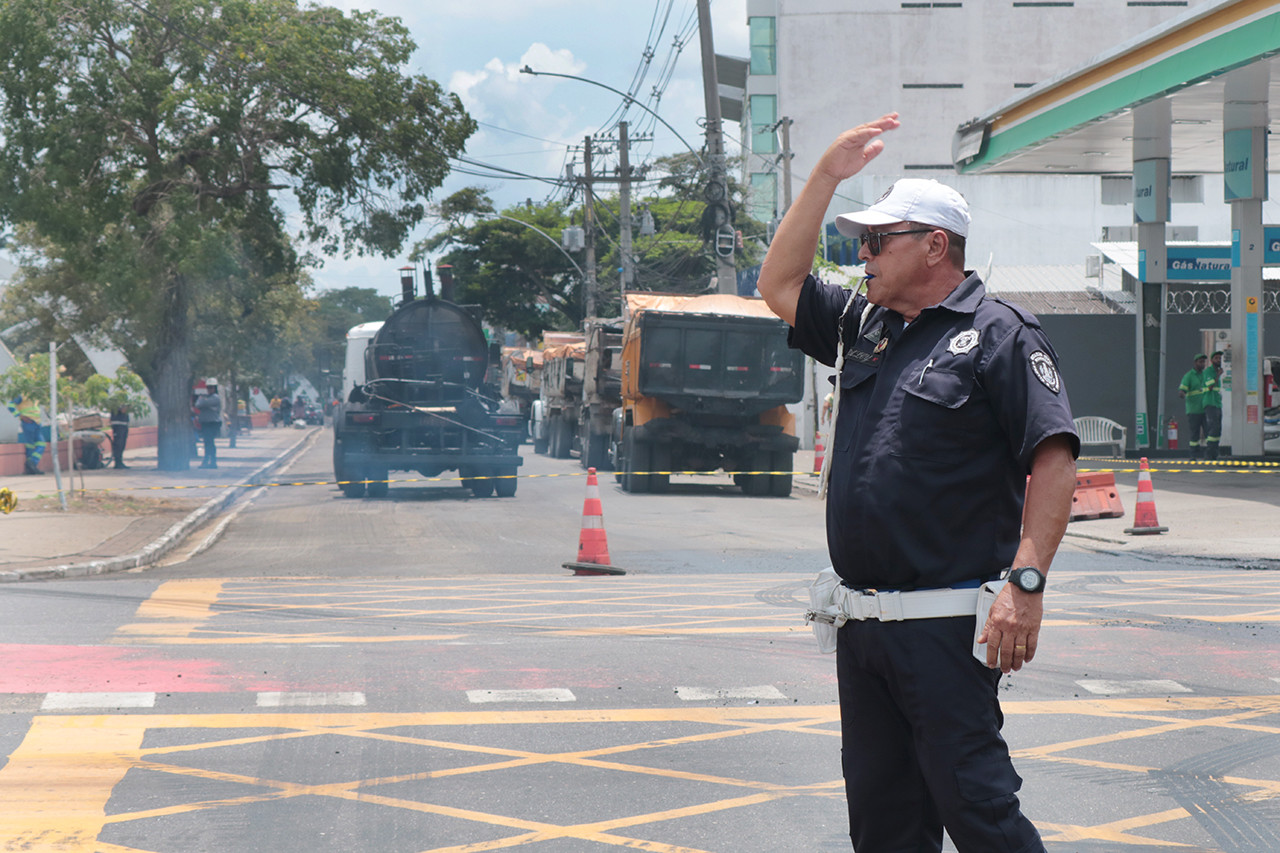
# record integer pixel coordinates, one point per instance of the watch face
(1028, 579)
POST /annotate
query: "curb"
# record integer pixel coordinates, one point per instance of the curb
(171, 538)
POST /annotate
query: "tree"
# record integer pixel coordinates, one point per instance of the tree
(514, 270)
(141, 139)
(335, 312)
(524, 282)
(30, 379)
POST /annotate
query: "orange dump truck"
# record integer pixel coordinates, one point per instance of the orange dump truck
(705, 383)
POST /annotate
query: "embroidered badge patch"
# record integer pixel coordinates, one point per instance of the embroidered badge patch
(963, 342)
(1042, 367)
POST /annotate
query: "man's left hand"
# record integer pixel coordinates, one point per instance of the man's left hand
(1013, 628)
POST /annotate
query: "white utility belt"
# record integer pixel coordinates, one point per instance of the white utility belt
(833, 604)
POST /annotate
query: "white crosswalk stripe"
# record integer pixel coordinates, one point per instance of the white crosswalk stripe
(81, 701)
(295, 700)
(1105, 687)
(702, 694)
(548, 694)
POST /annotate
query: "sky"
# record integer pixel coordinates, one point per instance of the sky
(535, 125)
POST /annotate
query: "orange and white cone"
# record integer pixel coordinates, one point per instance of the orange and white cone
(1144, 515)
(593, 544)
(819, 451)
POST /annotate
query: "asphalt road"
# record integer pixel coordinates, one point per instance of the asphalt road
(419, 673)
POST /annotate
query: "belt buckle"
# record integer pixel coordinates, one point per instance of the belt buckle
(865, 605)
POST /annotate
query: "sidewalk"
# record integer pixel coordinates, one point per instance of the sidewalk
(142, 512)
(1218, 516)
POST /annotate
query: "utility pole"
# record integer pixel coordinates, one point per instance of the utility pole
(624, 202)
(588, 204)
(719, 217)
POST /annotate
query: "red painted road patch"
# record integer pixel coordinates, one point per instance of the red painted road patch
(110, 669)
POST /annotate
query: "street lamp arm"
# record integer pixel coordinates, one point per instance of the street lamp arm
(627, 98)
(549, 238)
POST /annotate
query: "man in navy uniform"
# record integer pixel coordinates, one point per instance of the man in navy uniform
(947, 400)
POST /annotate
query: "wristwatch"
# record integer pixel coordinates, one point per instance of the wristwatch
(1027, 579)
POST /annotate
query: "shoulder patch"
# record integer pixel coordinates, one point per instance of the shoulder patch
(1043, 368)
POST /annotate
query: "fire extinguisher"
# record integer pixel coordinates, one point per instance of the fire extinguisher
(1173, 434)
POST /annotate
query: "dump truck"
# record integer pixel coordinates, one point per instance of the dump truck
(559, 396)
(705, 383)
(416, 398)
(521, 381)
(581, 386)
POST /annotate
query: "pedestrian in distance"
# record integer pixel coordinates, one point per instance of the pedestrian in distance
(34, 437)
(209, 411)
(947, 400)
(1194, 388)
(119, 435)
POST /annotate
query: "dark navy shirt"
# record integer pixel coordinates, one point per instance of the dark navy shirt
(937, 427)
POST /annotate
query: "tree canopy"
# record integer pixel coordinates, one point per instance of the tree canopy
(513, 266)
(145, 149)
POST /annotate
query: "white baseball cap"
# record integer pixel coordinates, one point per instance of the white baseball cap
(911, 200)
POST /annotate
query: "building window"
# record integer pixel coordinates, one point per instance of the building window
(839, 249)
(764, 45)
(933, 85)
(763, 204)
(764, 115)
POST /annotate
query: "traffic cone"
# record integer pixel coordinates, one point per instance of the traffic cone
(819, 451)
(593, 544)
(1144, 515)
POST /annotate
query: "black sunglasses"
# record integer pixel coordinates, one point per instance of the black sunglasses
(873, 240)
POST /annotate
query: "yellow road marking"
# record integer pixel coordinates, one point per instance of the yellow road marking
(1117, 831)
(59, 779)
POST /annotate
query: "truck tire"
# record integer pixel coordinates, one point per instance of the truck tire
(353, 488)
(596, 452)
(540, 443)
(780, 486)
(757, 485)
(481, 487)
(637, 456)
(564, 438)
(505, 484)
(660, 456)
(347, 472)
(378, 485)
(552, 427)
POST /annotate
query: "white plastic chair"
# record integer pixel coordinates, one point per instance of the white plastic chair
(1094, 429)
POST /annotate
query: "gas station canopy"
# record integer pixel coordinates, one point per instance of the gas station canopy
(1082, 121)
(1192, 96)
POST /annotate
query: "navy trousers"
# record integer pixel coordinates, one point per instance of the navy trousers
(921, 744)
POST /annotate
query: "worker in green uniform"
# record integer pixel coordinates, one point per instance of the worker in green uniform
(1213, 404)
(1193, 387)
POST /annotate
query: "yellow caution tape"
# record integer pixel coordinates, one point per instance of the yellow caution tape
(1217, 467)
(8, 501)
